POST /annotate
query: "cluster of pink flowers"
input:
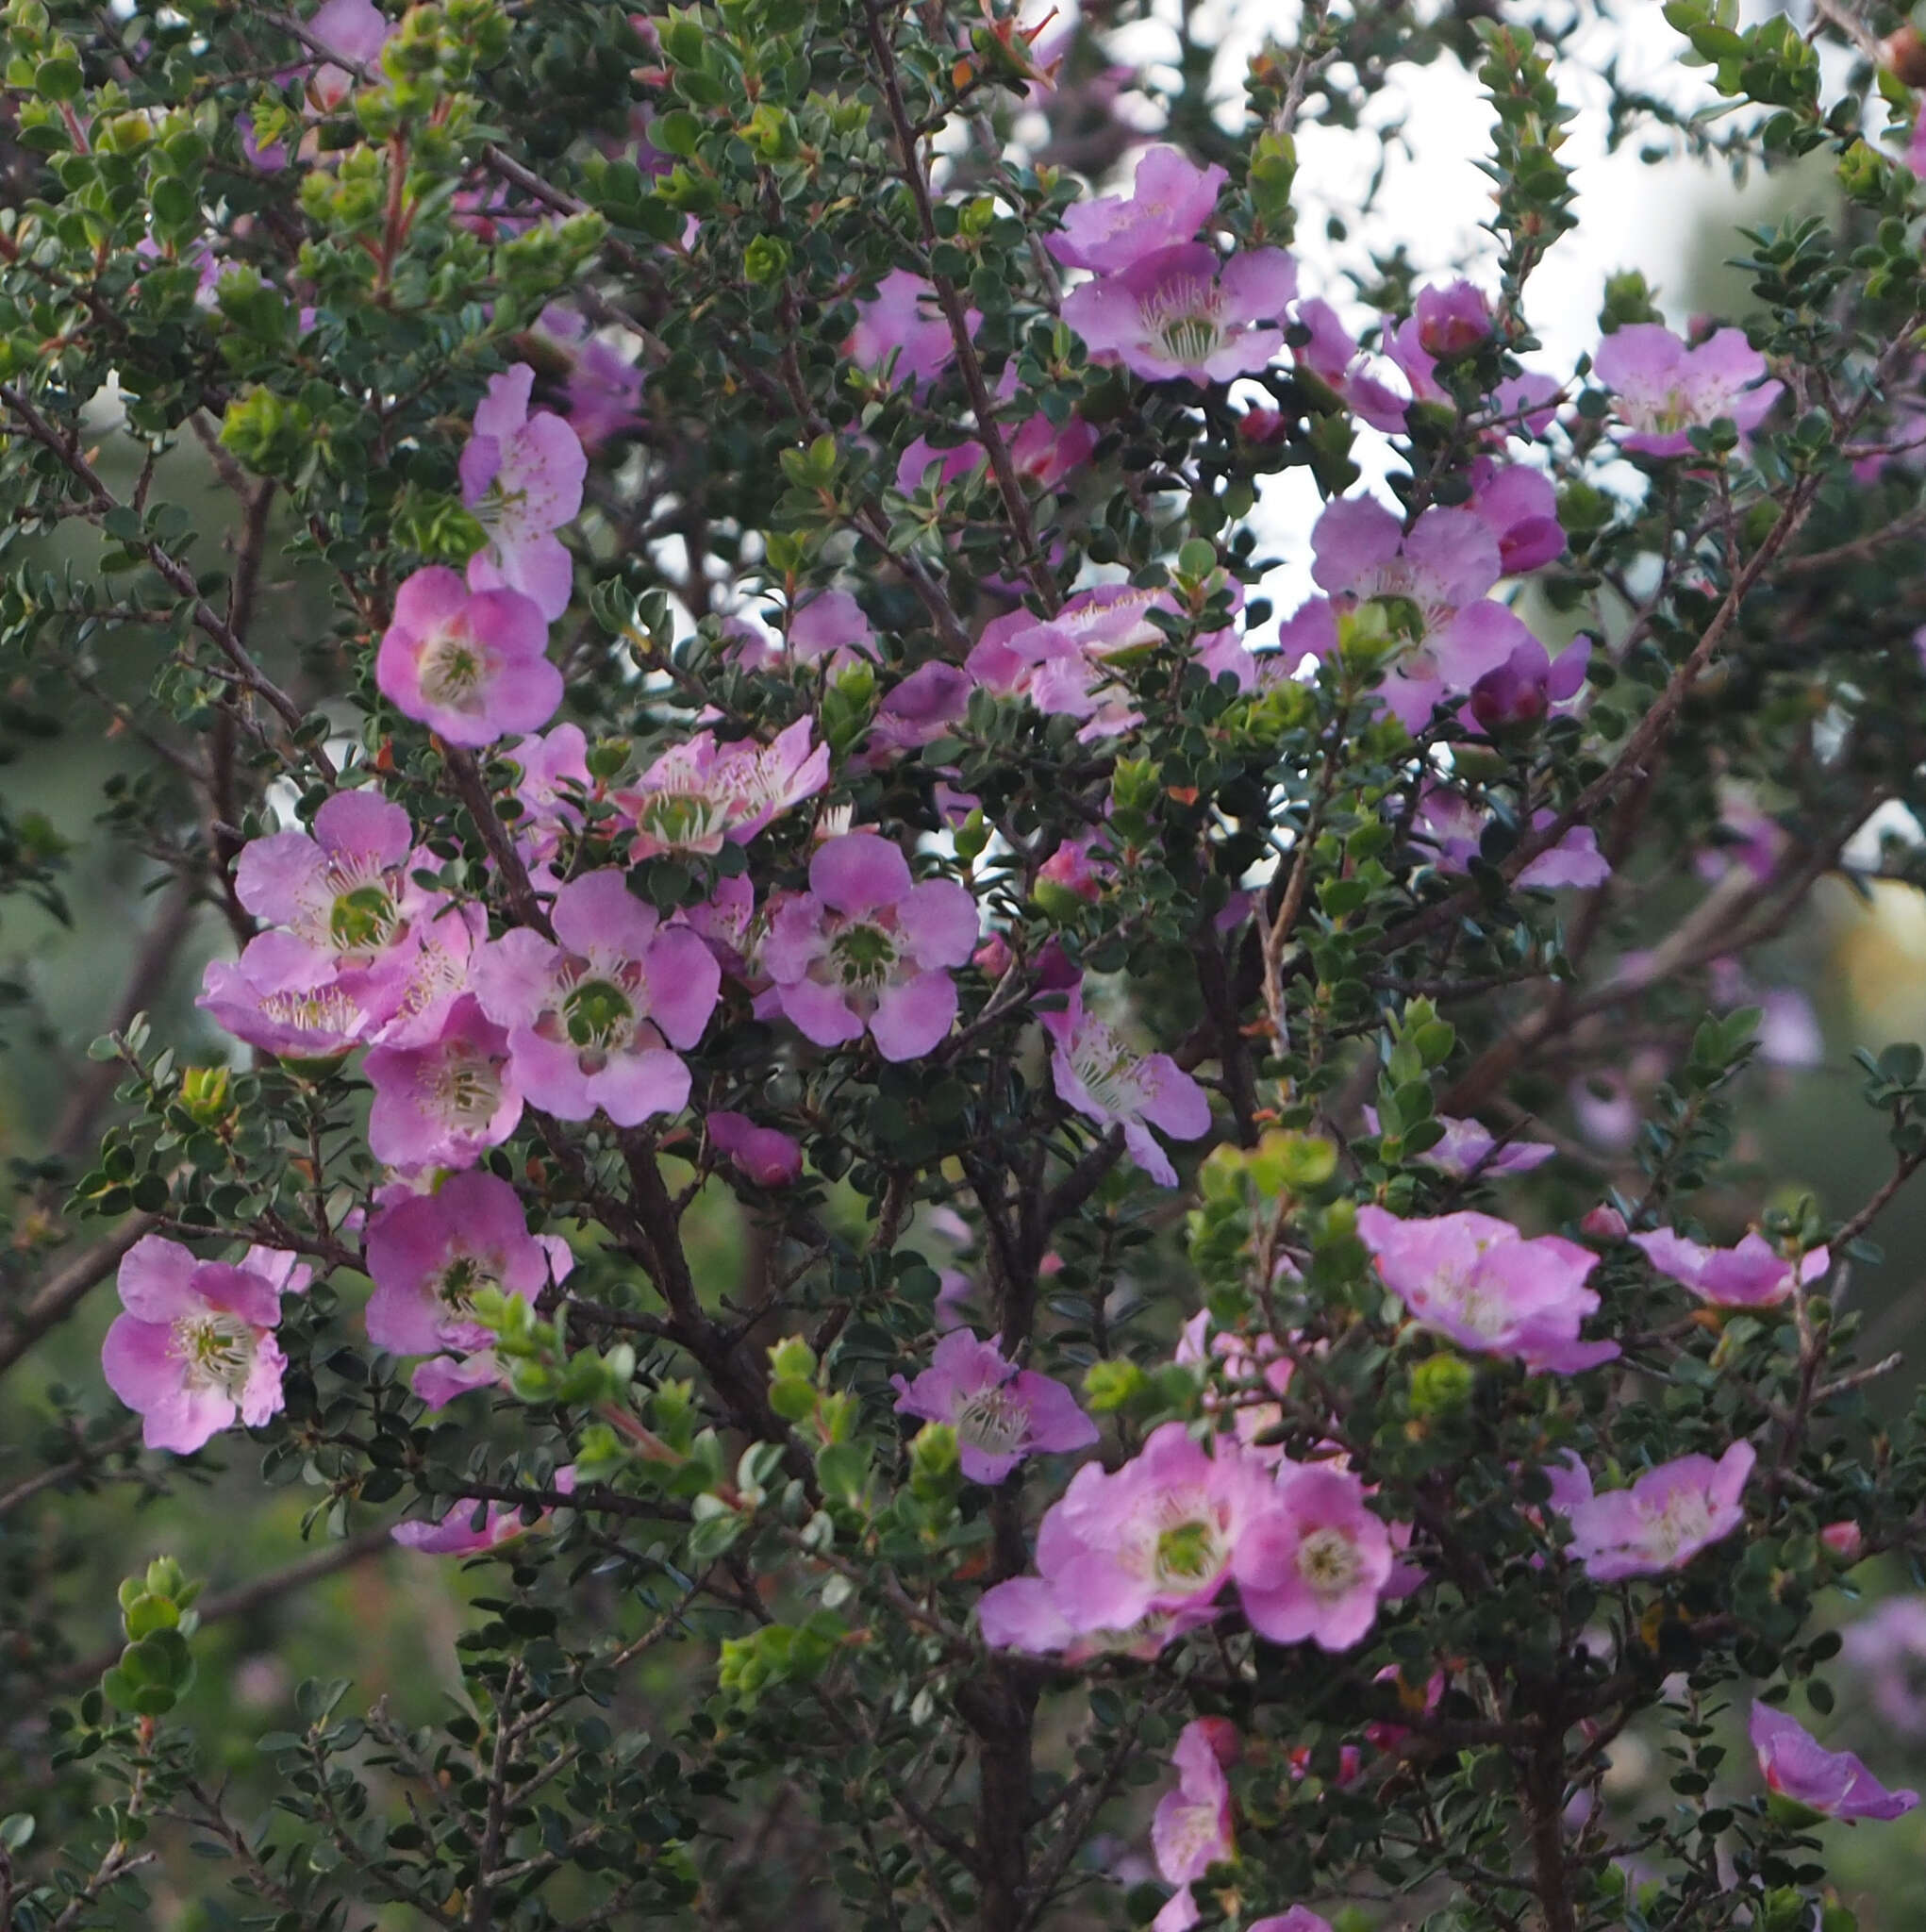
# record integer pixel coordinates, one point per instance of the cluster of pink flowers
(1129, 1559)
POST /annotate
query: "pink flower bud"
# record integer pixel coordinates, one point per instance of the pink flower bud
(1845, 1542)
(1603, 1224)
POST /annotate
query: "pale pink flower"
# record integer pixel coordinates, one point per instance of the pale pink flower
(1314, 1566)
(1191, 1830)
(1186, 313)
(700, 794)
(1663, 1521)
(1665, 389)
(1753, 1274)
(1478, 1282)
(466, 1530)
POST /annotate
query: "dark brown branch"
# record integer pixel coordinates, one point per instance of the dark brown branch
(63, 1291)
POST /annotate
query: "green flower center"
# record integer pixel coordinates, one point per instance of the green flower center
(362, 919)
(1187, 1552)
(597, 1013)
(452, 669)
(863, 955)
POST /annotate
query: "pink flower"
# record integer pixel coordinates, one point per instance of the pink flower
(1519, 507)
(1191, 1830)
(430, 1256)
(1663, 1521)
(1454, 827)
(1334, 358)
(919, 709)
(311, 1022)
(553, 782)
(1095, 1072)
(195, 1347)
(356, 28)
(1433, 581)
(1470, 1147)
(1170, 199)
(468, 664)
(1888, 1649)
(604, 388)
(1000, 1414)
(1753, 1274)
(444, 1378)
(1184, 312)
(343, 895)
(699, 795)
(1666, 390)
(1250, 1364)
(1068, 665)
(1833, 1783)
(1452, 320)
(1299, 1919)
(1314, 1566)
(902, 330)
(868, 949)
(447, 1102)
(1478, 1282)
(522, 475)
(766, 1156)
(1158, 1536)
(592, 1019)
(455, 1533)
(1528, 687)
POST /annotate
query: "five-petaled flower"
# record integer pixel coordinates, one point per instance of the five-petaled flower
(469, 664)
(1000, 1414)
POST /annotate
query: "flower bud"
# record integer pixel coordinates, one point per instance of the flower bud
(1441, 1386)
(1603, 1224)
(934, 1462)
(1844, 1541)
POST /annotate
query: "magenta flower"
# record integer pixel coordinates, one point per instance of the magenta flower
(455, 1534)
(1095, 1072)
(1250, 1365)
(1312, 1566)
(1833, 1783)
(1299, 1919)
(1158, 1536)
(1433, 581)
(468, 664)
(1663, 1521)
(1666, 390)
(194, 1347)
(699, 795)
(1455, 828)
(868, 949)
(1000, 1414)
(430, 1256)
(522, 475)
(766, 1156)
(901, 330)
(1478, 1282)
(1184, 312)
(592, 1019)
(919, 709)
(1170, 199)
(1528, 687)
(1753, 1274)
(447, 1102)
